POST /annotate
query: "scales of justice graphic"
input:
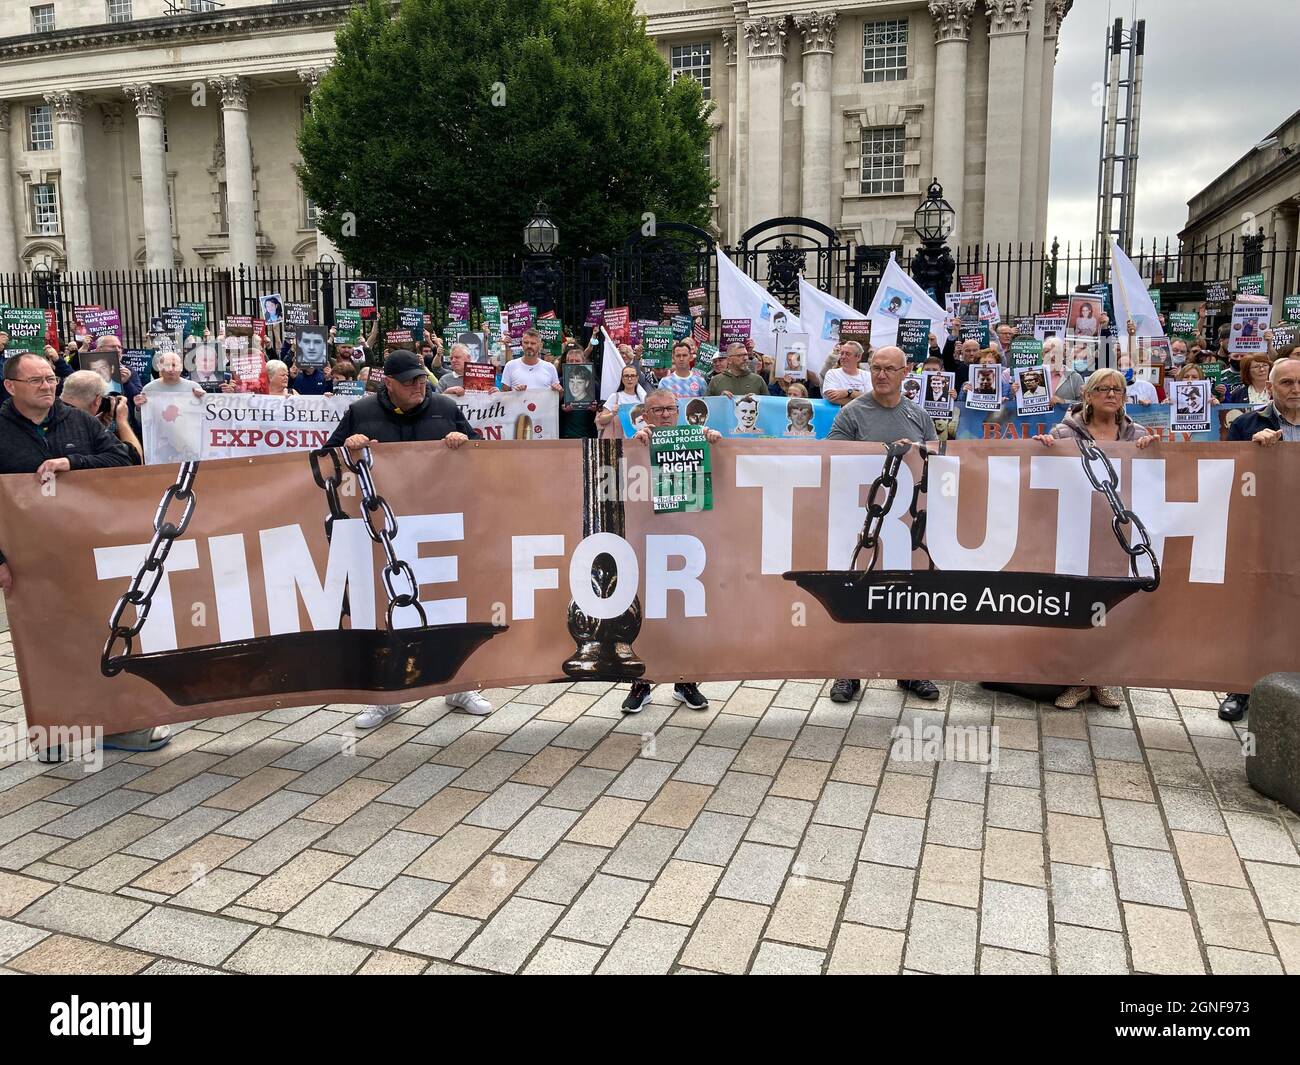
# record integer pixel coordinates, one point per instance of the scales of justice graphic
(402, 659)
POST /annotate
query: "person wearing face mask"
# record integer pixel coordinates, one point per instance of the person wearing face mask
(1067, 379)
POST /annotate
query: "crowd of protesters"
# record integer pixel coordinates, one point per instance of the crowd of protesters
(78, 408)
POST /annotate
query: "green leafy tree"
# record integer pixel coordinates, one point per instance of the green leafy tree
(438, 129)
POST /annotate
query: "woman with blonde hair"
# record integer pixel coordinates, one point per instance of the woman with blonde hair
(1098, 418)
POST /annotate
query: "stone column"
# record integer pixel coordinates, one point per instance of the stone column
(74, 208)
(8, 235)
(818, 49)
(1008, 34)
(729, 47)
(766, 38)
(1053, 17)
(951, 36)
(740, 180)
(148, 100)
(311, 77)
(240, 217)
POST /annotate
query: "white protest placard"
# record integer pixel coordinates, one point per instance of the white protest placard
(1033, 390)
(985, 391)
(533, 414)
(225, 425)
(938, 391)
(1189, 411)
(1249, 321)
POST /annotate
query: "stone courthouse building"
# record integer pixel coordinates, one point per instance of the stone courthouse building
(162, 133)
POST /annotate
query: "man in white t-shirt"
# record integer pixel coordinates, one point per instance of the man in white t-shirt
(846, 382)
(530, 370)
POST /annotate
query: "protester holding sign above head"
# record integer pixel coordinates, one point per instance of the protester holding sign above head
(660, 412)
(733, 378)
(405, 409)
(530, 370)
(882, 416)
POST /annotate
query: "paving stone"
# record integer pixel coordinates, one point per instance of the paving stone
(580, 788)
(828, 853)
(893, 840)
(960, 781)
(941, 939)
(705, 765)
(1069, 793)
(739, 793)
(391, 912)
(113, 872)
(1134, 824)
(670, 744)
(602, 910)
(780, 822)
(273, 850)
(859, 949)
(330, 774)
(881, 896)
(645, 948)
(1162, 941)
(1190, 810)
(1077, 840)
(1015, 917)
(1084, 896)
(486, 886)
(780, 959)
(641, 780)
(505, 806)
(1124, 780)
(679, 893)
(278, 951)
(725, 937)
(83, 913)
(417, 787)
(561, 957)
(806, 913)
(84, 819)
(25, 850)
(781, 723)
(101, 783)
(190, 865)
(995, 961)
(64, 955)
(1278, 889)
(845, 805)
(452, 855)
(677, 804)
(606, 822)
(173, 803)
(548, 765)
(643, 852)
(362, 829)
(326, 908)
(1115, 744)
(712, 839)
(18, 892)
(398, 764)
(1224, 962)
(538, 832)
(268, 815)
(294, 881)
(818, 744)
(955, 824)
(950, 875)
(1287, 938)
(755, 873)
(439, 935)
(507, 940)
(1018, 769)
(533, 737)
(1258, 839)
(1014, 856)
(157, 781)
(250, 790)
(1227, 917)
(193, 937)
(1177, 770)
(1089, 951)
(564, 872)
(16, 938)
(1210, 859)
(215, 891)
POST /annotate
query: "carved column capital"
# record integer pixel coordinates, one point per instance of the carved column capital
(68, 106)
(952, 19)
(1007, 16)
(729, 46)
(4, 116)
(311, 76)
(818, 31)
(234, 91)
(766, 37)
(148, 99)
(1055, 15)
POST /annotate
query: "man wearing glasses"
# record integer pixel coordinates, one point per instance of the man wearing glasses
(661, 410)
(882, 416)
(41, 434)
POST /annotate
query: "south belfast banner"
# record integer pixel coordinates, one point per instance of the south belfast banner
(544, 561)
(178, 427)
(747, 416)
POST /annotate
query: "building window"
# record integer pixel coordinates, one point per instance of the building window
(202, 5)
(40, 128)
(223, 216)
(310, 213)
(45, 209)
(694, 61)
(884, 50)
(882, 160)
(119, 10)
(43, 18)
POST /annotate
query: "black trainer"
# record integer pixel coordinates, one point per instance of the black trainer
(691, 696)
(845, 691)
(637, 697)
(1234, 707)
(924, 689)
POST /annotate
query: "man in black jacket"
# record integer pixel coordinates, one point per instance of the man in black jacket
(43, 435)
(405, 408)
(1274, 424)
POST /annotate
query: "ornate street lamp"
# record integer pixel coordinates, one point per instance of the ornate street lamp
(933, 264)
(541, 276)
(325, 269)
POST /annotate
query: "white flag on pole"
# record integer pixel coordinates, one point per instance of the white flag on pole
(1130, 298)
(739, 296)
(900, 297)
(611, 367)
(821, 314)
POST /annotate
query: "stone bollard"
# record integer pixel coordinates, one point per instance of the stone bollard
(1274, 719)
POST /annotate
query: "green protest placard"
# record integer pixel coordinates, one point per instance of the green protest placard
(1250, 285)
(491, 306)
(914, 338)
(1154, 293)
(552, 332)
(1291, 308)
(657, 346)
(976, 331)
(347, 326)
(705, 356)
(681, 473)
(1212, 370)
(198, 318)
(412, 318)
(451, 331)
(26, 329)
(1182, 325)
(1026, 351)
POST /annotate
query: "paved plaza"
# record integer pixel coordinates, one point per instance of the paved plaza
(774, 833)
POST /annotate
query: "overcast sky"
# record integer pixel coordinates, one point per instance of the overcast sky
(1212, 88)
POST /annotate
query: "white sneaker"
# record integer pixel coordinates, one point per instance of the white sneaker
(470, 702)
(377, 715)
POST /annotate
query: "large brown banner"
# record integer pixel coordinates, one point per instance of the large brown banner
(254, 608)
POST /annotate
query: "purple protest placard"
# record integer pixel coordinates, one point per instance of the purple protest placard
(458, 307)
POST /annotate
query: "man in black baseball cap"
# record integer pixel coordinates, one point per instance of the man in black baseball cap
(405, 408)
